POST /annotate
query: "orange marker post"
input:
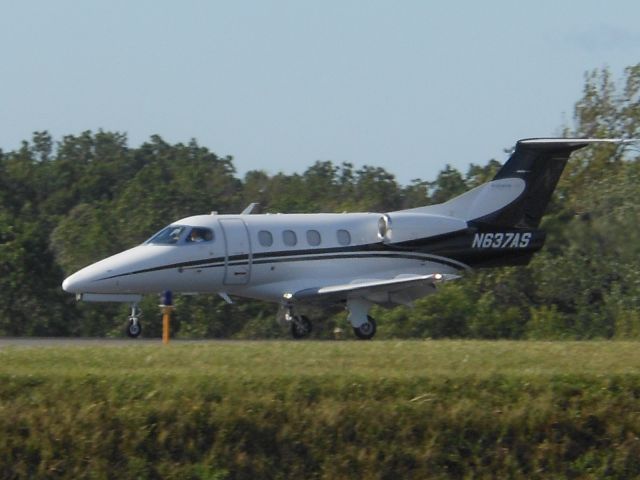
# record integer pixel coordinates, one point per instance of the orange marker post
(167, 306)
(166, 319)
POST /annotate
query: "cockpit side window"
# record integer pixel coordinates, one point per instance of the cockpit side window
(167, 236)
(198, 234)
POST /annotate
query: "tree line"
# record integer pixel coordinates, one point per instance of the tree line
(67, 203)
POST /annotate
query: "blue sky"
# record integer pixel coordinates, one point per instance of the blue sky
(409, 86)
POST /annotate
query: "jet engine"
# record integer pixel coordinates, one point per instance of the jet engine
(397, 227)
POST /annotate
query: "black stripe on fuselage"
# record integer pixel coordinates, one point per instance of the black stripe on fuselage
(303, 258)
(453, 249)
(360, 251)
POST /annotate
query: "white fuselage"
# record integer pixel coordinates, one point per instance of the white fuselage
(265, 256)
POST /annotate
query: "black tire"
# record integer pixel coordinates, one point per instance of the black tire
(367, 330)
(301, 327)
(134, 329)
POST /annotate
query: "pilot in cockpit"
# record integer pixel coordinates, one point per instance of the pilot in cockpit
(196, 235)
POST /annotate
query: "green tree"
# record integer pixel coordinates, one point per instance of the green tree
(448, 185)
(68, 203)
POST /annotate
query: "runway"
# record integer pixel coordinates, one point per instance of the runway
(52, 342)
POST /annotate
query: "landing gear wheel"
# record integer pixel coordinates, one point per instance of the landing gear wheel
(300, 327)
(134, 328)
(367, 330)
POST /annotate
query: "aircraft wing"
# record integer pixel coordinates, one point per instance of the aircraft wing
(402, 289)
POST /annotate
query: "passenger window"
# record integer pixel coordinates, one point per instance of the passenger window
(197, 235)
(265, 238)
(344, 237)
(313, 238)
(289, 238)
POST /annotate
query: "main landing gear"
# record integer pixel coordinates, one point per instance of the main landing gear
(300, 325)
(134, 327)
(364, 326)
(366, 330)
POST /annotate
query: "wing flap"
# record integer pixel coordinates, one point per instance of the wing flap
(371, 288)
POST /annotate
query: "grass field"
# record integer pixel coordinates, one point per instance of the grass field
(392, 409)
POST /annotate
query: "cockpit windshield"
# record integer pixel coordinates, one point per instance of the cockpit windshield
(167, 236)
(173, 234)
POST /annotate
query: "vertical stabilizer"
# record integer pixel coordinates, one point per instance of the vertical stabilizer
(518, 195)
(539, 162)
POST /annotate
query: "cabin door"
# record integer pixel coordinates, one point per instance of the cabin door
(238, 251)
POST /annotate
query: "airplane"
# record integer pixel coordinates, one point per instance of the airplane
(352, 259)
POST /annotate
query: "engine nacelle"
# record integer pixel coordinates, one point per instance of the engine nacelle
(403, 227)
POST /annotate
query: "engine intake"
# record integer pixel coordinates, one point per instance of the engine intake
(403, 227)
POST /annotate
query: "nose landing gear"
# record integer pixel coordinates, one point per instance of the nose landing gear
(134, 327)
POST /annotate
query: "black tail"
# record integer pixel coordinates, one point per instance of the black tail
(518, 195)
(539, 162)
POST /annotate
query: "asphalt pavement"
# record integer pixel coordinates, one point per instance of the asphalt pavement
(42, 342)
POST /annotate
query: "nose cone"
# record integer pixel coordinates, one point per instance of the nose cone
(121, 273)
(92, 279)
(74, 283)
(67, 284)
(99, 277)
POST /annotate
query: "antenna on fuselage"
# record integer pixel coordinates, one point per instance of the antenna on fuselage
(250, 208)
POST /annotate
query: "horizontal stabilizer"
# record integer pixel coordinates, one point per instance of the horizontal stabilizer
(575, 142)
